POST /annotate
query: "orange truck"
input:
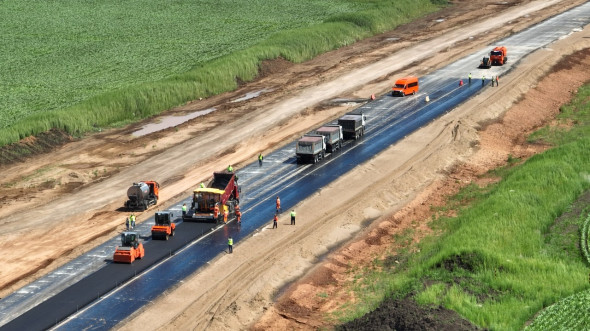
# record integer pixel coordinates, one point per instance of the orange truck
(142, 194)
(130, 249)
(498, 56)
(164, 227)
(405, 86)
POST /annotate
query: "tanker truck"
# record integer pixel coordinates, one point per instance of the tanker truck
(210, 202)
(141, 195)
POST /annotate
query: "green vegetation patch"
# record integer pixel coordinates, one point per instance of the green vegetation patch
(516, 248)
(80, 65)
(568, 314)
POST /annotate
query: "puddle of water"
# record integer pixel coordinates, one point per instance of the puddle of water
(440, 20)
(170, 121)
(252, 95)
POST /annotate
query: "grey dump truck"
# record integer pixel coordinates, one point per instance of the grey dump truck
(353, 125)
(310, 148)
(333, 134)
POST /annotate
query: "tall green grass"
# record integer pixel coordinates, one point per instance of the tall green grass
(76, 66)
(501, 260)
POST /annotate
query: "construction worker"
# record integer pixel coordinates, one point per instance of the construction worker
(492, 81)
(183, 209)
(239, 215)
(260, 158)
(216, 211)
(225, 215)
(274, 221)
(497, 80)
(230, 244)
(483, 80)
(127, 223)
(132, 219)
(230, 168)
(469, 78)
(293, 217)
(202, 185)
(278, 204)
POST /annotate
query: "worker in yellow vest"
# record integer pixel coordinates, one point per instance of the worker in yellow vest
(293, 217)
(230, 244)
(183, 209)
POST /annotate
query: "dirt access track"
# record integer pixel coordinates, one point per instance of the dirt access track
(58, 205)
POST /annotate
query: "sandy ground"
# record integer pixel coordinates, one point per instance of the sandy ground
(47, 191)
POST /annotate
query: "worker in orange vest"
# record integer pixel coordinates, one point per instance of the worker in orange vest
(215, 211)
(225, 214)
(278, 204)
(274, 222)
(239, 215)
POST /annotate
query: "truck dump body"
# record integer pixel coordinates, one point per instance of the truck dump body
(353, 125)
(333, 134)
(310, 149)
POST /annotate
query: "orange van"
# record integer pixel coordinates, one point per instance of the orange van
(405, 86)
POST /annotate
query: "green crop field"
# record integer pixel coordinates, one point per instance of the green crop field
(515, 248)
(77, 65)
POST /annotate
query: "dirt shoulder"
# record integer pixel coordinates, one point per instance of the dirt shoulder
(77, 189)
(290, 278)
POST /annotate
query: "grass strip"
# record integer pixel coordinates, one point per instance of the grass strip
(501, 259)
(135, 99)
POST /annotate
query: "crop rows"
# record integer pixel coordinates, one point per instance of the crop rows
(58, 53)
(571, 313)
(584, 239)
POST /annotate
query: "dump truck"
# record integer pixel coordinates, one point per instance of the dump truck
(310, 148)
(498, 56)
(164, 227)
(353, 125)
(333, 134)
(221, 194)
(142, 194)
(130, 249)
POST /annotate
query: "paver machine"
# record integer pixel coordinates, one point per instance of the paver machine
(209, 203)
(130, 249)
(164, 227)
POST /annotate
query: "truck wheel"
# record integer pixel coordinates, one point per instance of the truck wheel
(315, 159)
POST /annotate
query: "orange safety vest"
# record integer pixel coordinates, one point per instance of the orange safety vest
(216, 211)
(278, 203)
(225, 216)
(276, 218)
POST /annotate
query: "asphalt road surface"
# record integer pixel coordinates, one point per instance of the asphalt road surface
(91, 292)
